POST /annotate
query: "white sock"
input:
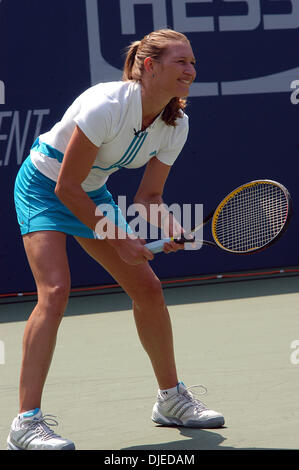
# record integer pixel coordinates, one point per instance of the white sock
(168, 392)
(29, 413)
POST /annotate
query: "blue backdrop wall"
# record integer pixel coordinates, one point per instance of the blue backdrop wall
(243, 108)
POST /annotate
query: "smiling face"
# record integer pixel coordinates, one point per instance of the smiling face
(175, 70)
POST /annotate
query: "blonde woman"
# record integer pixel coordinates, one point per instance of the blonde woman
(139, 121)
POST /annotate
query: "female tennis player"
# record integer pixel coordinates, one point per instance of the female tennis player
(59, 189)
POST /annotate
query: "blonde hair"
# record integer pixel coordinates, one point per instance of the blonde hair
(154, 45)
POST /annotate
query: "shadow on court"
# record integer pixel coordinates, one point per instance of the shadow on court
(19, 309)
(199, 439)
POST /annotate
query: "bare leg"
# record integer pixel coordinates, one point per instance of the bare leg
(47, 257)
(150, 312)
(155, 333)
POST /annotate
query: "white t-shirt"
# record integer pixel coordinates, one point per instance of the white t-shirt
(107, 114)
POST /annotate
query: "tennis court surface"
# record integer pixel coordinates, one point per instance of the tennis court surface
(238, 339)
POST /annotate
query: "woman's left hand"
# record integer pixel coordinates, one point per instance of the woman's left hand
(172, 246)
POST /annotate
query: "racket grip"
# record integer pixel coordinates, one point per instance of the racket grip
(157, 246)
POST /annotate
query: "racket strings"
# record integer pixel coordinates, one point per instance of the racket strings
(251, 218)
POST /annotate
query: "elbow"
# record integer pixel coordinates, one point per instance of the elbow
(58, 190)
(67, 192)
(142, 197)
(61, 191)
(138, 199)
(147, 198)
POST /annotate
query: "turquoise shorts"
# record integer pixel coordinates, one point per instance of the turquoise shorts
(38, 208)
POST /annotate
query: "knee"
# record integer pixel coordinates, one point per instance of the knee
(59, 293)
(150, 293)
(54, 298)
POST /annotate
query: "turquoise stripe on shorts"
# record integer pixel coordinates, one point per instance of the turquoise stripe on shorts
(38, 208)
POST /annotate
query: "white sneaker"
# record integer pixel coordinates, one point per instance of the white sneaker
(182, 409)
(30, 431)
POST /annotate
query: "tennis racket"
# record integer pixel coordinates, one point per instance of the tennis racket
(247, 220)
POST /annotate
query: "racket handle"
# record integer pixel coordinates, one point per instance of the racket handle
(157, 246)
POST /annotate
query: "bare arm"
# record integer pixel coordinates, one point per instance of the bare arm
(76, 165)
(150, 195)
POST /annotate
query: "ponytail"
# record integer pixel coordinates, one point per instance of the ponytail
(130, 60)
